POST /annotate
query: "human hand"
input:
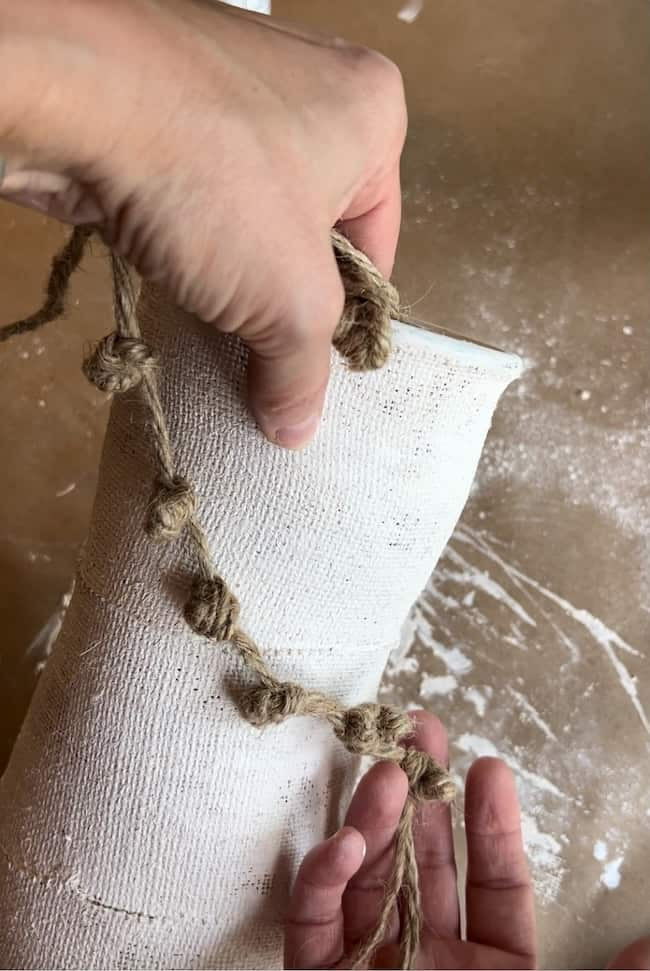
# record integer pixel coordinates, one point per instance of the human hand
(338, 892)
(215, 150)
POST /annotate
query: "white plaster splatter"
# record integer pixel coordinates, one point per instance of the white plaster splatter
(66, 490)
(478, 746)
(418, 628)
(545, 855)
(410, 11)
(531, 714)
(454, 658)
(611, 875)
(401, 661)
(606, 638)
(407, 665)
(258, 6)
(600, 851)
(442, 685)
(481, 580)
(42, 644)
(478, 699)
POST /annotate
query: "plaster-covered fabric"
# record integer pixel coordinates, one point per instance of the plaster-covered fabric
(143, 823)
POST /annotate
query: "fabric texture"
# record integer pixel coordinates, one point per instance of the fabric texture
(143, 823)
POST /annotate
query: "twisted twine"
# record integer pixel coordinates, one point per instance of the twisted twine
(122, 361)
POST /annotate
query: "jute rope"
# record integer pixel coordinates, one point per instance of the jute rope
(122, 361)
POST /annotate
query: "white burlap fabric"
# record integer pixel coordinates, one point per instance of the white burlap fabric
(143, 823)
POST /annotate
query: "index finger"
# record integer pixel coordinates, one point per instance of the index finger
(375, 812)
(500, 902)
(375, 229)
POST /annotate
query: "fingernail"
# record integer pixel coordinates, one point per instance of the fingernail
(297, 435)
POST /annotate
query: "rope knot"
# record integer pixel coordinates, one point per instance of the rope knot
(171, 509)
(363, 335)
(118, 363)
(428, 780)
(372, 729)
(212, 610)
(267, 704)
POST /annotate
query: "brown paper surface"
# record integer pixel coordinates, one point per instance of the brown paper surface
(526, 199)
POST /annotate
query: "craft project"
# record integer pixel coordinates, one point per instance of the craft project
(200, 723)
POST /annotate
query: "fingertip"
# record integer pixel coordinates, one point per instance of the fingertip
(489, 773)
(287, 398)
(491, 799)
(325, 872)
(333, 862)
(635, 957)
(389, 784)
(349, 848)
(290, 352)
(294, 435)
(429, 735)
(376, 231)
(379, 798)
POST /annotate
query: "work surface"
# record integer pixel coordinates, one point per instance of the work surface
(526, 196)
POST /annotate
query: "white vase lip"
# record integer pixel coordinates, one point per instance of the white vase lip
(464, 349)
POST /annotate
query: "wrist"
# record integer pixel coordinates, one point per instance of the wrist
(33, 89)
(61, 92)
(80, 75)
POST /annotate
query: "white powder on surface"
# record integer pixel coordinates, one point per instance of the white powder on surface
(545, 855)
(611, 875)
(478, 699)
(443, 685)
(559, 781)
(600, 851)
(410, 12)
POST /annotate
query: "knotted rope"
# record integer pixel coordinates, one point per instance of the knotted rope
(122, 361)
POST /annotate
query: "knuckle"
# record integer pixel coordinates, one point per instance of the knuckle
(374, 67)
(382, 84)
(432, 859)
(501, 860)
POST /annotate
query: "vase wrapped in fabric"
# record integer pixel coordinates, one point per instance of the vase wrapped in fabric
(143, 822)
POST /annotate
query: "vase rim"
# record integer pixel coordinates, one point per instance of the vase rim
(410, 332)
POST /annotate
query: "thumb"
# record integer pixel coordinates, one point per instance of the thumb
(314, 931)
(289, 362)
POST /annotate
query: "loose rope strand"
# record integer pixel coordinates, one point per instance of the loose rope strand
(122, 361)
(64, 265)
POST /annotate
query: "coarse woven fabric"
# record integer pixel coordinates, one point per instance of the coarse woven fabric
(143, 823)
